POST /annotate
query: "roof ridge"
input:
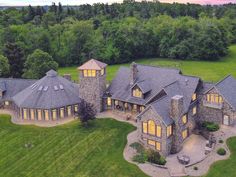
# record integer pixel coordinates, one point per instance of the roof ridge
(223, 79)
(171, 84)
(157, 66)
(3, 79)
(161, 98)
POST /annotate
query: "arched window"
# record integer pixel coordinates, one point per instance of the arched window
(151, 127)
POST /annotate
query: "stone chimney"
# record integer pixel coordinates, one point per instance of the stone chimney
(133, 73)
(176, 106)
(176, 111)
(67, 76)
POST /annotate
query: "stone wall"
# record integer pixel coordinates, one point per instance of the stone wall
(91, 89)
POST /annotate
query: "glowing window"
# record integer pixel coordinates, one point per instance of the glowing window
(151, 142)
(194, 110)
(145, 127)
(76, 108)
(93, 73)
(194, 97)
(158, 133)
(39, 114)
(184, 134)
(102, 72)
(109, 101)
(142, 108)
(24, 113)
(46, 115)
(184, 119)
(6, 103)
(54, 114)
(169, 130)
(151, 127)
(85, 73)
(137, 93)
(214, 98)
(158, 146)
(69, 110)
(62, 112)
(32, 114)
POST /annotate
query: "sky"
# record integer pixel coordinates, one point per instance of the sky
(78, 2)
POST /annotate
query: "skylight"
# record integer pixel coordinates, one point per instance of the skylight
(55, 88)
(61, 87)
(45, 88)
(40, 88)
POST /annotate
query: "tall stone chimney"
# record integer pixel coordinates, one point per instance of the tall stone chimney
(176, 111)
(133, 73)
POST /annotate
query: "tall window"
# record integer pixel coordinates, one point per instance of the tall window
(185, 133)
(135, 107)
(46, 114)
(39, 114)
(194, 110)
(145, 127)
(158, 146)
(151, 127)
(62, 112)
(108, 101)
(137, 93)
(214, 98)
(194, 97)
(24, 113)
(32, 114)
(169, 130)
(69, 110)
(76, 108)
(184, 119)
(158, 133)
(54, 114)
(102, 72)
(89, 73)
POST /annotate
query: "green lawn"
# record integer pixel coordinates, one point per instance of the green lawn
(225, 168)
(65, 151)
(209, 71)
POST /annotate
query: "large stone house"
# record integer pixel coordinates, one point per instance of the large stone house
(165, 103)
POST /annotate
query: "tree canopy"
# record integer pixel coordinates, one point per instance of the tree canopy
(4, 67)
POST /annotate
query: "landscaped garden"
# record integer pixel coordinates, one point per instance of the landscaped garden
(69, 150)
(207, 70)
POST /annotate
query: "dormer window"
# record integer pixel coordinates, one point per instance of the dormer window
(137, 93)
(194, 97)
(89, 73)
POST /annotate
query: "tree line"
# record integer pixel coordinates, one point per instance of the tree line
(33, 39)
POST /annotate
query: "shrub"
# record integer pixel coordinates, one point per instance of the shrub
(155, 157)
(210, 126)
(140, 158)
(221, 141)
(221, 151)
(162, 161)
(195, 168)
(138, 147)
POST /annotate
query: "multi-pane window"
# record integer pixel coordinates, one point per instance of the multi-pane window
(137, 93)
(194, 97)
(46, 114)
(89, 73)
(32, 114)
(185, 133)
(109, 101)
(145, 127)
(169, 130)
(214, 98)
(158, 146)
(24, 113)
(39, 114)
(54, 114)
(152, 143)
(158, 131)
(184, 119)
(194, 110)
(151, 127)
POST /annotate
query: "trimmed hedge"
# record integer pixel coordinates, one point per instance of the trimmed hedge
(221, 151)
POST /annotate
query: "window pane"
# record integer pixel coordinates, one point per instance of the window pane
(144, 127)
(39, 115)
(24, 113)
(169, 130)
(184, 119)
(62, 112)
(46, 115)
(85, 73)
(151, 127)
(151, 142)
(32, 114)
(54, 114)
(158, 131)
(158, 146)
(69, 110)
(109, 101)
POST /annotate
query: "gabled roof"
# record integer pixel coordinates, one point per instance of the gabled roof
(92, 64)
(144, 86)
(227, 88)
(52, 91)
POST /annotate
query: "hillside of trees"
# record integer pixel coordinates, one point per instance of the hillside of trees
(115, 33)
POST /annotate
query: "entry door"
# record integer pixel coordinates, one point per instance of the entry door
(226, 120)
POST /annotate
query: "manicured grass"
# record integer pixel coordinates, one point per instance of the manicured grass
(207, 70)
(65, 151)
(225, 167)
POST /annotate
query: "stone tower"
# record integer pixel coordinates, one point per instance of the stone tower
(92, 77)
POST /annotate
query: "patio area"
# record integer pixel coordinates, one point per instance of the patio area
(194, 147)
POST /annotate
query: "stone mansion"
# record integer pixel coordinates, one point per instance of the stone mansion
(165, 103)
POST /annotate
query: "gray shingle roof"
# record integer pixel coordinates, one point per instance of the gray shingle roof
(52, 91)
(13, 86)
(227, 88)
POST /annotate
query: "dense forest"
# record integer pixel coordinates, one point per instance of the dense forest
(33, 39)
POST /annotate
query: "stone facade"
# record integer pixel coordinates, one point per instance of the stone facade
(92, 89)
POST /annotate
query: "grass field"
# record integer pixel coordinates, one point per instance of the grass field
(225, 168)
(208, 71)
(65, 151)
